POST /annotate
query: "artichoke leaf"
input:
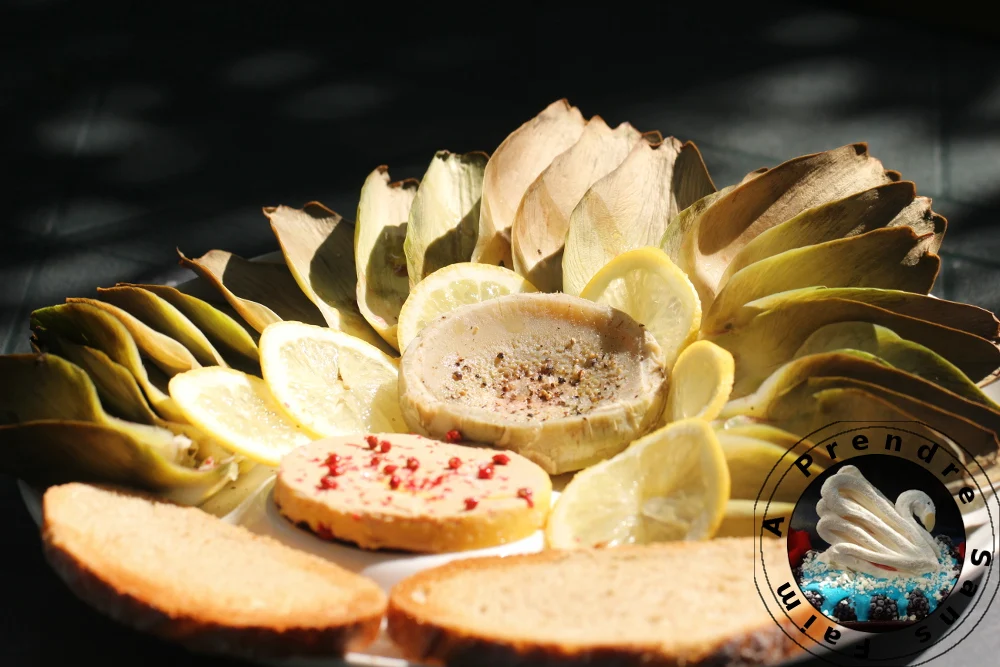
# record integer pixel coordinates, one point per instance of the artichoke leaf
(515, 164)
(815, 414)
(864, 367)
(379, 233)
(318, 246)
(166, 353)
(956, 315)
(261, 292)
(974, 439)
(743, 517)
(116, 387)
(756, 469)
(770, 338)
(541, 222)
(720, 231)
(889, 205)
(444, 217)
(84, 324)
(59, 451)
(631, 206)
(119, 392)
(895, 351)
(890, 258)
(222, 328)
(161, 316)
(39, 387)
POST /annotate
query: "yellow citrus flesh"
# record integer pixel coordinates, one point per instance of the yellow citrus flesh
(330, 382)
(671, 484)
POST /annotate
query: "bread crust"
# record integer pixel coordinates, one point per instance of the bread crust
(442, 643)
(96, 585)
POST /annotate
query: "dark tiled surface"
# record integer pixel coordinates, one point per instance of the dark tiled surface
(131, 134)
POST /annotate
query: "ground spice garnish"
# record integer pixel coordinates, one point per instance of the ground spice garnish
(453, 436)
(470, 503)
(372, 441)
(486, 472)
(501, 459)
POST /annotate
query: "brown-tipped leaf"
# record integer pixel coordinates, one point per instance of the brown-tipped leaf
(261, 292)
(518, 161)
(444, 217)
(540, 225)
(318, 246)
(379, 233)
(890, 258)
(709, 242)
(631, 207)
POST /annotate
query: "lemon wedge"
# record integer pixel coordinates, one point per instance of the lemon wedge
(239, 410)
(452, 287)
(330, 382)
(700, 383)
(671, 484)
(645, 284)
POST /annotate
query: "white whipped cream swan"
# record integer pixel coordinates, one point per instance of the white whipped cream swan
(865, 530)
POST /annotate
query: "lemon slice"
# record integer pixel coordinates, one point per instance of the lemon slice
(671, 484)
(740, 519)
(645, 284)
(330, 382)
(238, 410)
(700, 383)
(452, 287)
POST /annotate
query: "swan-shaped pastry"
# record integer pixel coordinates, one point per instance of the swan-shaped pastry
(867, 533)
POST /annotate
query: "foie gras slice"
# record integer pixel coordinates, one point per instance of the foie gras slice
(408, 492)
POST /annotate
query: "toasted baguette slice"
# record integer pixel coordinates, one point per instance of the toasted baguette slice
(184, 575)
(684, 603)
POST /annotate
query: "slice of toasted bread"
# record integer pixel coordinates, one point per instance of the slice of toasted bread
(186, 576)
(684, 603)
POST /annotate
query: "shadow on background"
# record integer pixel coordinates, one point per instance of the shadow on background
(132, 130)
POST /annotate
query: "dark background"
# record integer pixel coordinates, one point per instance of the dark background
(131, 129)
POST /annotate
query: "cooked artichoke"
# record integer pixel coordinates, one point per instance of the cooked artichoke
(169, 356)
(261, 292)
(538, 233)
(221, 327)
(85, 324)
(703, 244)
(159, 314)
(56, 452)
(379, 235)
(558, 379)
(518, 161)
(318, 247)
(444, 216)
(631, 206)
(814, 274)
